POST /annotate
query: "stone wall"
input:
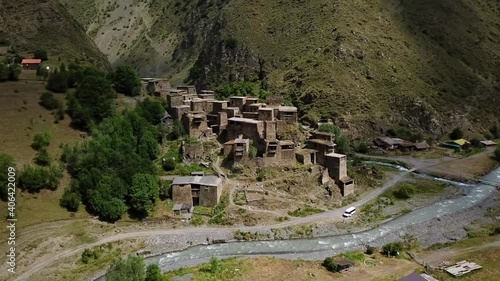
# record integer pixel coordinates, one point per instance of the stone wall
(209, 195)
(181, 194)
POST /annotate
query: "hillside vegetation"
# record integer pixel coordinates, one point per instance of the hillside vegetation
(29, 25)
(371, 65)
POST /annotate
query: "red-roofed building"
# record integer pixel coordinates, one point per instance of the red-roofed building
(31, 63)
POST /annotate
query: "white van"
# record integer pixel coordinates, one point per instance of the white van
(349, 212)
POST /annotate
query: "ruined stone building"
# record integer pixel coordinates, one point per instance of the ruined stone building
(320, 149)
(197, 190)
(243, 122)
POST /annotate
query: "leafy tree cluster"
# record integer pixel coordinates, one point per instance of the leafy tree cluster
(9, 70)
(33, 179)
(151, 110)
(134, 269)
(6, 161)
(341, 140)
(495, 131)
(126, 80)
(114, 169)
(93, 99)
(42, 72)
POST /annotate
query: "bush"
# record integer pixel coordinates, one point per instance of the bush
(330, 265)
(168, 164)
(456, 134)
(41, 140)
(42, 157)
(49, 101)
(88, 255)
(131, 269)
(40, 54)
(153, 273)
(215, 265)
(34, 179)
(392, 249)
(252, 152)
(70, 200)
(126, 80)
(58, 81)
(405, 191)
(370, 250)
(362, 147)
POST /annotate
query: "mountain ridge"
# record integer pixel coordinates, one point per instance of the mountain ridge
(369, 65)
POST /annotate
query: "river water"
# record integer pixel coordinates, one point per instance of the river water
(317, 248)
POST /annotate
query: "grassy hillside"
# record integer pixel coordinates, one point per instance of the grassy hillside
(31, 24)
(371, 65)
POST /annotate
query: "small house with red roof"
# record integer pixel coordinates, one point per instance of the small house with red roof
(31, 64)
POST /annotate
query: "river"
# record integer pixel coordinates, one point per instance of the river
(318, 248)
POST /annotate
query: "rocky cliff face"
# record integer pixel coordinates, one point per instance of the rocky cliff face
(370, 65)
(45, 24)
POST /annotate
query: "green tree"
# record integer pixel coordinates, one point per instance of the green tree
(49, 101)
(70, 200)
(40, 54)
(131, 269)
(151, 110)
(252, 151)
(57, 81)
(6, 161)
(392, 249)
(456, 134)
(14, 71)
(42, 157)
(168, 164)
(153, 273)
(42, 72)
(41, 140)
(405, 191)
(143, 193)
(33, 179)
(126, 80)
(177, 130)
(92, 102)
(330, 265)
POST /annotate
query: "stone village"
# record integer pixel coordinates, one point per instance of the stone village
(239, 124)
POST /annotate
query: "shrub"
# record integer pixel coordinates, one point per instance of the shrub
(34, 179)
(456, 134)
(41, 140)
(70, 200)
(370, 250)
(215, 265)
(168, 164)
(252, 152)
(362, 147)
(6, 161)
(40, 54)
(49, 101)
(42, 157)
(153, 273)
(405, 191)
(392, 249)
(330, 265)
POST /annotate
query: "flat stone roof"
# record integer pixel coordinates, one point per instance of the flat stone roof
(305, 151)
(322, 142)
(201, 180)
(244, 120)
(287, 108)
(335, 155)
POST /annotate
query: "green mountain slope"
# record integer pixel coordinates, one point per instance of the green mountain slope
(32, 24)
(371, 65)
